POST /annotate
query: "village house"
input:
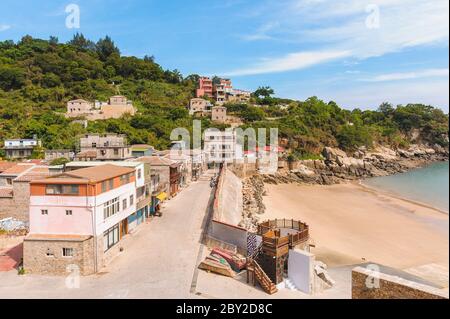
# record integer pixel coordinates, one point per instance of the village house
(221, 91)
(219, 114)
(107, 147)
(51, 155)
(169, 173)
(116, 107)
(78, 218)
(20, 148)
(199, 105)
(143, 186)
(185, 166)
(15, 189)
(139, 150)
(205, 87)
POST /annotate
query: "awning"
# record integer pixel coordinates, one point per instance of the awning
(162, 196)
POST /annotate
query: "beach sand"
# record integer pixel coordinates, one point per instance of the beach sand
(350, 224)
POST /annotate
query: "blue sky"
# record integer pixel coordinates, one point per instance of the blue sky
(358, 53)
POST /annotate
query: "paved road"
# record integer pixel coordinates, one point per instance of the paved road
(158, 261)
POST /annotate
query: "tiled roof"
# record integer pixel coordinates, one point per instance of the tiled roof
(87, 175)
(37, 172)
(100, 173)
(18, 169)
(6, 165)
(89, 154)
(155, 160)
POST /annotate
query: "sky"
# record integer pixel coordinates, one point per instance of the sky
(358, 53)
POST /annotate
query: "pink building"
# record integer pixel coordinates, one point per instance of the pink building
(77, 219)
(205, 87)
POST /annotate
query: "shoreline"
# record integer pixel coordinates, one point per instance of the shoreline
(351, 223)
(379, 191)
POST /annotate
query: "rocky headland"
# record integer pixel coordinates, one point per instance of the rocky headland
(336, 167)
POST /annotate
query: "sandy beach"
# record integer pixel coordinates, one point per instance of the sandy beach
(350, 224)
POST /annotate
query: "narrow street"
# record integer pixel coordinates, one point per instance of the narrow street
(158, 261)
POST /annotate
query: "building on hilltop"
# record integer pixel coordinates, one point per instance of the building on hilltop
(199, 105)
(116, 107)
(221, 91)
(219, 114)
(205, 87)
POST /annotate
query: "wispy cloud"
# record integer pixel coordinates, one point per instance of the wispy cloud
(4, 27)
(341, 26)
(410, 75)
(292, 61)
(262, 33)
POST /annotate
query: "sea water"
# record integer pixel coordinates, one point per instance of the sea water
(429, 185)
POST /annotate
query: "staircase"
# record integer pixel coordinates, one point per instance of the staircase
(289, 284)
(256, 273)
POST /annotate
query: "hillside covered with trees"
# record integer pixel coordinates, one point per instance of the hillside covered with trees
(38, 77)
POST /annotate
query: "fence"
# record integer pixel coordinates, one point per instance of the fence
(300, 236)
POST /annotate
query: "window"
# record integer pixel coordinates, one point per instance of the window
(111, 184)
(69, 212)
(111, 208)
(62, 189)
(9, 181)
(131, 200)
(94, 145)
(124, 204)
(139, 173)
(44, 212)
(111, 237)
(67, 252)
(104, 186)
(116, 151)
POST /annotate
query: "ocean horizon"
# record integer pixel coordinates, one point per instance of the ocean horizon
(428, 185)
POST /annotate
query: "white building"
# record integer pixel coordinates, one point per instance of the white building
(222, 146)
(20, 148)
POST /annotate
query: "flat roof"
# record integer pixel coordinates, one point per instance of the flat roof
(99, 163)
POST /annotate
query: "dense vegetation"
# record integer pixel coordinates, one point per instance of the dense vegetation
(38, 77)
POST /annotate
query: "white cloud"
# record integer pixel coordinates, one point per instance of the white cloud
(340, 26)
(261, 33)
(292, 61)
(410, 75)
(4, 27)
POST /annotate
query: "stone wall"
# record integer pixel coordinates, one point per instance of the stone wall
(36, 260)
(390, 287)
(17, 206)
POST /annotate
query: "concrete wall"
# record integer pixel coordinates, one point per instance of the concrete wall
(390, 287)
(229, 234)
(230, 199)
(301, 270)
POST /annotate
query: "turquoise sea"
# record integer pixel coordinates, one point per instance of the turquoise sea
(429, 185)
